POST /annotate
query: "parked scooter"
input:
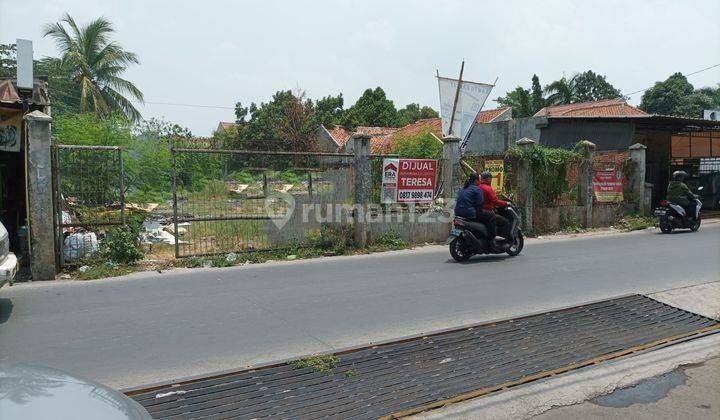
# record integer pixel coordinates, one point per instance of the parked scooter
(673, 216)
(469, 237)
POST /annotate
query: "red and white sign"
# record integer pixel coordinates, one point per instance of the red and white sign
(409, 180)
(608, 186)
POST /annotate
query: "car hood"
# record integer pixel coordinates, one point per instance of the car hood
(32, 392)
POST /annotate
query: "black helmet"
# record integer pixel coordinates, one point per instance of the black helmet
(679, 175)
(486, 175)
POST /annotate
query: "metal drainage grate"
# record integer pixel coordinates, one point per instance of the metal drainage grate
(408, 376)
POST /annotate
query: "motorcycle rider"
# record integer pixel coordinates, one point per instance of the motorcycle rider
(679, 193)
(469, 198)
(491, 200)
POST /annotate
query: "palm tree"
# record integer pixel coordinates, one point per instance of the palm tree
(96, 63)
(560, 92)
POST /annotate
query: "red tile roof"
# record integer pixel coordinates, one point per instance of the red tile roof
(340, 135)
(604, 108)
(382, 138)
(434, 125)
(376, 131)
(382, 144)
(490, 115)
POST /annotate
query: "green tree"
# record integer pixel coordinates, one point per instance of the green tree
(372, 109)
(419, 146)
(520, 100)
(590, 86)
(328, 111)
(413, 112)
(559, 92)
(7, 60)
(677, 96)
(96, 64)
(693, 104)
(286, 122)
(582, 87)
(537, 100)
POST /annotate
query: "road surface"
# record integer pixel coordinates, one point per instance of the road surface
(151, 327)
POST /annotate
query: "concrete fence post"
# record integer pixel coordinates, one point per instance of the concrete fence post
(451, 166)
(525, 183)
(39, 190)
(637, 157)
(363, 185)
(585, 180)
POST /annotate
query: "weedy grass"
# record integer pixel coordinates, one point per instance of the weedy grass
(632, 222)
(321, 364)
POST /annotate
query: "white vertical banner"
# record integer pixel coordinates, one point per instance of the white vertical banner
(470, 100)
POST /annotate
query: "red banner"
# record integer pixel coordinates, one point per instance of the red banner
(608, 186)
(416, 180)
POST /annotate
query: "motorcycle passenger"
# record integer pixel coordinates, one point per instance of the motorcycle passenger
(679, 193)
(469, 198)
(490, 200)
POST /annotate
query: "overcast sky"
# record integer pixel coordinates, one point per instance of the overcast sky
(220, 52)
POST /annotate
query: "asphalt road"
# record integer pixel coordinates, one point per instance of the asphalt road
(151, 327)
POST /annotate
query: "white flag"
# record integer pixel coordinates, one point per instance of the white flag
(470, 101)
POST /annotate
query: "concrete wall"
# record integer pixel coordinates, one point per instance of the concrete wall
(496, 137)
(324, 141)
(553, 219)
(423, 228)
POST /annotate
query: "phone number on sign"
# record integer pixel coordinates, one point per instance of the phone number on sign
(415, 195)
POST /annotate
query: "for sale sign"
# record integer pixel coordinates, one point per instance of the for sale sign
(388, 194)
(608, 186)
(408, 180)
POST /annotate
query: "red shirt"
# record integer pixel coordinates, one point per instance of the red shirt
(490, 200)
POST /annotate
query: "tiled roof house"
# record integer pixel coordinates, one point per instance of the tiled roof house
(604, 108)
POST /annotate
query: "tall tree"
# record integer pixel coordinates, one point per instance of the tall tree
(520, 101)
(677, 96)
(96, 64)
(283, 123)
(537, 99)
(372, 109)
(329, 111)
(413, 112)
(582, 87)
(559, 92)
(590, 86)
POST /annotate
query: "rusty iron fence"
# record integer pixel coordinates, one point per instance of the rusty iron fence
(238, 200)
(89, 196)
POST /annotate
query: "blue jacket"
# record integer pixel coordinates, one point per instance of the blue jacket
(468, 200)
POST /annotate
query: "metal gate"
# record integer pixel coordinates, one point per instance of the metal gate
(89, 195)
(236, 200)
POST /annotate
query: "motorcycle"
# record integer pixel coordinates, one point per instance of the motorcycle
(469, 237)
(673, 216)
